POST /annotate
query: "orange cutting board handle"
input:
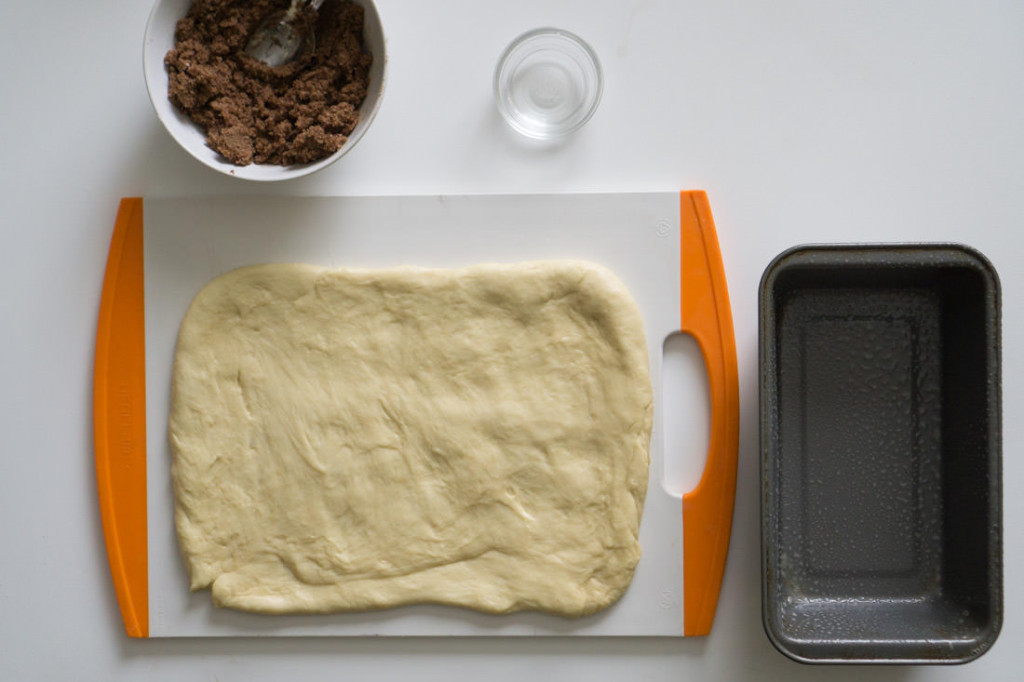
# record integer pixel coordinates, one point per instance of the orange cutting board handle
(708, 508)
(119, 417)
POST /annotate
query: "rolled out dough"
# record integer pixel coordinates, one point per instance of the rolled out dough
(349, 439)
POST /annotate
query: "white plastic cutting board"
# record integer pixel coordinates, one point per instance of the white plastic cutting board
(189, 242)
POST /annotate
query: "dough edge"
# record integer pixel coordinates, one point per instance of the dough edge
(240, 591)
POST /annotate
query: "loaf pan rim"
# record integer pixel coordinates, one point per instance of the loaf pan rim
(895, 255)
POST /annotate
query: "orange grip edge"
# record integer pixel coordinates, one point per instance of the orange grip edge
(119, 417)
(708, 508)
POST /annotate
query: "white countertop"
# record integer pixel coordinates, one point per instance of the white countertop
(804, 121)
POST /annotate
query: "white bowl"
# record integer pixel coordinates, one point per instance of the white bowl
(160, 39)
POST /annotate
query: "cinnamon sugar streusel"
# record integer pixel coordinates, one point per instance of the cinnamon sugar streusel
(251, 113)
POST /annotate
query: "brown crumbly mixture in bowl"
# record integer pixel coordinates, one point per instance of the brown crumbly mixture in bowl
(251, 113)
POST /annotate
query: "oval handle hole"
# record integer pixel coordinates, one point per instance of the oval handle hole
(685, 414)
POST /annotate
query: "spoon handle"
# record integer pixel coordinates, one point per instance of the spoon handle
(293, 9)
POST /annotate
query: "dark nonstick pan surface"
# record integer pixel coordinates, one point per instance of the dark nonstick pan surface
(881, 449)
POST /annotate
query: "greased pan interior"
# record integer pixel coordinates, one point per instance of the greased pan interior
(881, 450)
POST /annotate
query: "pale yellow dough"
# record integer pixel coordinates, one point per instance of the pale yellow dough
(350, 439)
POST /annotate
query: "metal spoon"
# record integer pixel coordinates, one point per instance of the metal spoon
(282, 35)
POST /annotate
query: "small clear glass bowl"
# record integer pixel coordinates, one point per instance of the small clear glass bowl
(547, 83)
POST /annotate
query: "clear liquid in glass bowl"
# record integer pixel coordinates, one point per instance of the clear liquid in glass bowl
(547, 83)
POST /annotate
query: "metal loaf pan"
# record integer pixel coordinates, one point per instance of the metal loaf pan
(881, 454)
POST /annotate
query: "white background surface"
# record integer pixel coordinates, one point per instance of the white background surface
(847, 120)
